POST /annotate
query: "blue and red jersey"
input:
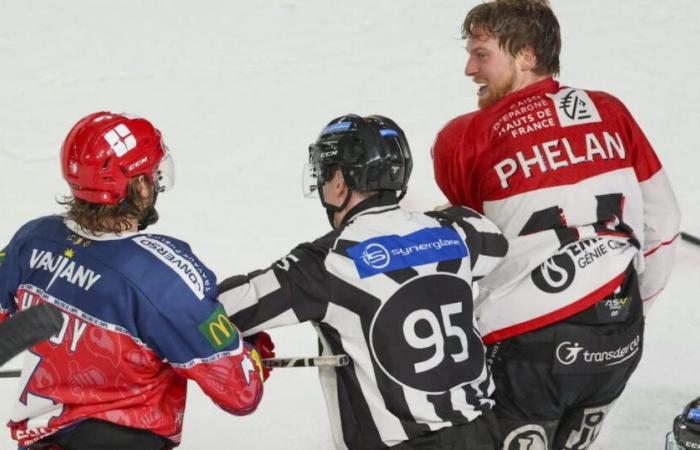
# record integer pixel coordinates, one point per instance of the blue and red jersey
(140, 317)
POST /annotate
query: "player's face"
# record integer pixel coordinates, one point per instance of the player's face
(492, 68)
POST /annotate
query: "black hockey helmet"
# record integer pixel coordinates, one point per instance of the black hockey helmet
(372, 153)
(686, 427)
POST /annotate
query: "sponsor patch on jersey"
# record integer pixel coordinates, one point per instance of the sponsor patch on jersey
(530, 437)
(181, 264)
(577, 352)
(218, 329)
(574, 107)
(61, 266)
(387, 253)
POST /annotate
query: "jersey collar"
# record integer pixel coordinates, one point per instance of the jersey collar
(77, 229)
(383, 201)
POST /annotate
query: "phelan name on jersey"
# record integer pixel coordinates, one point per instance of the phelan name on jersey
(553, 155)
(61, 266)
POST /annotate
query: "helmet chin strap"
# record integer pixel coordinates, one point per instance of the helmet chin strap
(332, 209)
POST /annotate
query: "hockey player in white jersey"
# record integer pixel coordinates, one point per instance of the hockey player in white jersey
(391, 289)
(570, 178)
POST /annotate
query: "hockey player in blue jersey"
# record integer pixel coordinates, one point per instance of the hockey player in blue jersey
(140, 315)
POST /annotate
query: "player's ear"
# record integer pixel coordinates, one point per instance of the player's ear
(526, 59)
(337, 184)
(143, 189)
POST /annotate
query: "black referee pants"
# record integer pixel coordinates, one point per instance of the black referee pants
(480, 434)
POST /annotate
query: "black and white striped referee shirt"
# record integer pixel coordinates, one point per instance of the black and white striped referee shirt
(392, 289)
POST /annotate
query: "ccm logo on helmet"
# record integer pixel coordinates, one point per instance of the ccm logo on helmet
(138, 163)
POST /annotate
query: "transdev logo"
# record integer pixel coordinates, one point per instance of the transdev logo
(567, 353)
(387, 253)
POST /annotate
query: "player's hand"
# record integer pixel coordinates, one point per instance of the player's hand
(265, 347)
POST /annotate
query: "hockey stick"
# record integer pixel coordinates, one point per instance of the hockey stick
(690, 238)
(314, 361)
(27, 328)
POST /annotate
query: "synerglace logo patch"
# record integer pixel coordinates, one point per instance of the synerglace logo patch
(386, 253)
(376, 256)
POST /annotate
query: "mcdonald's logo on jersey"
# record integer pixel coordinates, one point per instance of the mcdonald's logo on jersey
(218, 330)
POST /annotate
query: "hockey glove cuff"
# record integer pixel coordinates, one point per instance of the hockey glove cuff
(265, 347)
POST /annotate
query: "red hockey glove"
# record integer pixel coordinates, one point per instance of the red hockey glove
(265, 347)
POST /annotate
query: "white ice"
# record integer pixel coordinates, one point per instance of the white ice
(240, 89)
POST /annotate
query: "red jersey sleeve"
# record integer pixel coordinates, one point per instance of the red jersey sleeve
(450, 153)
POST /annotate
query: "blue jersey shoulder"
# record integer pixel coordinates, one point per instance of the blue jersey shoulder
(169, 261)
(150, 286)
(46, 225)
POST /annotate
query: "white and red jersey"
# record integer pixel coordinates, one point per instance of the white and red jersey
(575, 186)
(140, 318)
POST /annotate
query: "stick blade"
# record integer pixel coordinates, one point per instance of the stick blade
(27, 328)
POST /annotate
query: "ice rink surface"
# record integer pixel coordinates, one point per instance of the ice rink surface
(240, 89)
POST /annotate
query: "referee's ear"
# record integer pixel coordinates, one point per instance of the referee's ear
(335, 189)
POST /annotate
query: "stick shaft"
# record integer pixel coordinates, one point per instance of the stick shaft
(690, 238)
(28, 328)
(314, 361)
(10, 373)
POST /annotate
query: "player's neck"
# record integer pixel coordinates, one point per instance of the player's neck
(133, 226)
(527, 79)
(128, 225)
(338, 217)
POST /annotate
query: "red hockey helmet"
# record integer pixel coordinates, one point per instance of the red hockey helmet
(105, 150)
